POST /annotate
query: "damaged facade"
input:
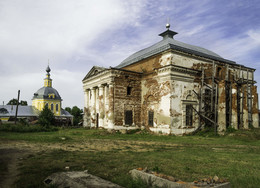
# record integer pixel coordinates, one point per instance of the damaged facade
(171, 87)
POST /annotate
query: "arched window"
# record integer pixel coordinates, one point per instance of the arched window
(57, 107)
(51, 107)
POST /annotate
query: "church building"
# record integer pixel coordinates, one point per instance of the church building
(173, 88)
(45, 96)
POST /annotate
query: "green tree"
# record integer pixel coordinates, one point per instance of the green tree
(68, 109)
(14, 102)
(23, 103)
(46, 117)
(76, 112)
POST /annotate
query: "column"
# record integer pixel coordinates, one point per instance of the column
(97, 100)
(255, 115)
(110, 114)
(245, 108)
(234, 122)
(92, 106)
(86, 117)
(106, 105)
(222, 106)
(101, 106)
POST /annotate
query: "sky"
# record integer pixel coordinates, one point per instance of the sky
(73, 36)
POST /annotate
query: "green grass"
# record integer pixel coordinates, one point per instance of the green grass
(234, 156)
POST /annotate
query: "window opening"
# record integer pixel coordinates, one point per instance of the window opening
(129, 117)
(189, 115)
(129, 90)
(150, 118)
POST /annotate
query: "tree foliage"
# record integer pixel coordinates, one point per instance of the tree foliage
(46, 117)
(68, 109)
(76, 112)
(15, 101)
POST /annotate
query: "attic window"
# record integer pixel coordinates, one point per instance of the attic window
(129, 90)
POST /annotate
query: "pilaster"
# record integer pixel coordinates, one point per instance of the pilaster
(222, 106)
(245, 108)
(255, 114)
(234, 121)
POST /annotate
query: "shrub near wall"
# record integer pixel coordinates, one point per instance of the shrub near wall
(26, 128)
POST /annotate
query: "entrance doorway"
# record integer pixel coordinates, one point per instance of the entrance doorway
(129, 117)
(97, 120)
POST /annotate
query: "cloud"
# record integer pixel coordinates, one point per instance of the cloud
(46, 29)
(76, 35)
(63, 31)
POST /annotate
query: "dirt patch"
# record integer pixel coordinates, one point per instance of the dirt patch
(9, 158)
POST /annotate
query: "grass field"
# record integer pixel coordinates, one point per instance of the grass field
(235, 156)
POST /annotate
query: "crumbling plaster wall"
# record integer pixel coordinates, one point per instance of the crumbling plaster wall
(163, 95)
(123, 101)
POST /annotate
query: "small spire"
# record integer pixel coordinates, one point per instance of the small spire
(168, 24)
(168, 33)
(48, 70)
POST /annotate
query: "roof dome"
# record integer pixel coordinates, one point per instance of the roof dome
(47, 93)
(167, 43)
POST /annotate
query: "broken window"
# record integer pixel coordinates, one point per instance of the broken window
(189, 115)
(219, 75)
(150, 118)
(129, 90)
(129, 117)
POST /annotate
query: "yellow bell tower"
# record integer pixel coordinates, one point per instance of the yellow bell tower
(47, 96)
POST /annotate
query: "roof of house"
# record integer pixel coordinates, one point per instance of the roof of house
(25, 111)
(167, 43)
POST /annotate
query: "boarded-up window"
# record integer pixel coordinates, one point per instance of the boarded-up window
(128, 117)
(150, 118)
(189, 115)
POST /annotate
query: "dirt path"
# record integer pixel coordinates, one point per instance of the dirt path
(10, 158)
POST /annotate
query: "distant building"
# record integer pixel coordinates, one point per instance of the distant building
(45, 96)
(171, 87)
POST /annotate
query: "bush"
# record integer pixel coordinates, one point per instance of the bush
(26, 128)
(46, 117)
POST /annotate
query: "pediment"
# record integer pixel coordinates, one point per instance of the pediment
(94, 71)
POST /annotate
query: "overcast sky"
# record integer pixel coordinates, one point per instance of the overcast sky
(76, 35)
